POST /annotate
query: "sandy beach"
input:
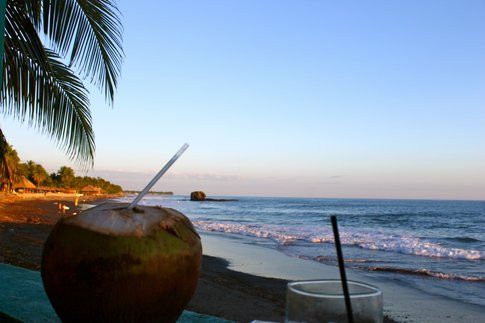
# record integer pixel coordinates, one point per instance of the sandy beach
(401, 303)
(238, 281)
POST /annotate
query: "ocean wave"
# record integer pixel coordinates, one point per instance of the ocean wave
(334, 259)
(425, 272)
(371, 240)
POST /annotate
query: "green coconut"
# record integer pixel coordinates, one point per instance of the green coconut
(113, 264)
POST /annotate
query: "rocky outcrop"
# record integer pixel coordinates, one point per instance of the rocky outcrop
(200, 196)
(197, 196)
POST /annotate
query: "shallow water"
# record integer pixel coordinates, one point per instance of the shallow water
(436, 246)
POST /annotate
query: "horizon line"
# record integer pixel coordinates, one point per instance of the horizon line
(333, 198)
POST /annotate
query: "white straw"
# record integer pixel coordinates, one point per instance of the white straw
(157, 177)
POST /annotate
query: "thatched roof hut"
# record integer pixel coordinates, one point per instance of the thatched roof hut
(24, 184)
(90, 190)
(47, 189)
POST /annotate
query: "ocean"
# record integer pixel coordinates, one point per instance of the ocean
(437, 247)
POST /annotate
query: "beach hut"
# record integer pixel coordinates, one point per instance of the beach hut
(24, 186)
(90, 190)
(45, 189)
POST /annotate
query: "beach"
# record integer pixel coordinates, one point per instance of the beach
(239, 281)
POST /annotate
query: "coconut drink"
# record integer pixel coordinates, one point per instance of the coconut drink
(111, 263)
(122, 262)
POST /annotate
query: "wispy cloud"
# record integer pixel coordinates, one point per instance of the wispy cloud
(206, 177)
(130, 175)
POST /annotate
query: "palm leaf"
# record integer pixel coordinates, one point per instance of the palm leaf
(3, 144)
(89, 32)
(9, 166)
(38, 85)
(32, 8)
(39, 88)
(4, 173)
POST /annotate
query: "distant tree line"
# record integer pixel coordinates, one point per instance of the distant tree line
(64, 178)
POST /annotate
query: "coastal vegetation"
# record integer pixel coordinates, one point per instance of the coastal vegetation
(50, 48)
(65, 179)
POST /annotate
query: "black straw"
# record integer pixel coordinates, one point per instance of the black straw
(341, 267)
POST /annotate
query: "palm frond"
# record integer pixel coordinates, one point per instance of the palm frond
(32, 8)
(90, 33)
(3, 144)
(39, 88)
(9, 165)
(20, 31)
(5, 174)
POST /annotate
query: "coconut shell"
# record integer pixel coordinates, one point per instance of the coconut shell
(92, 275)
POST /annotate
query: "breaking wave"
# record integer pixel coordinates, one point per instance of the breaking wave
(371, 240)
(425, 272)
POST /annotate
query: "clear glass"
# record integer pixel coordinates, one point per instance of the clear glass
(323, 301)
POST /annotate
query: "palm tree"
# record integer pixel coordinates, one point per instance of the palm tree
(9, 170)
(48, 43)
(28, 169)
(66, 176)
(39, 174)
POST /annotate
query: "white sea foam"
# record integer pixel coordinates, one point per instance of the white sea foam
(374, 240)
(426, 272)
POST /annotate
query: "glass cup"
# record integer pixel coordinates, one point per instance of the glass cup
(323, 301)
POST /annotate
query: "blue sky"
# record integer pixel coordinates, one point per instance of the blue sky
(294, 98)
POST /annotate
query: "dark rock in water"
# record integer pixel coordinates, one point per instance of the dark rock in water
(200, 196)
(197, 196)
